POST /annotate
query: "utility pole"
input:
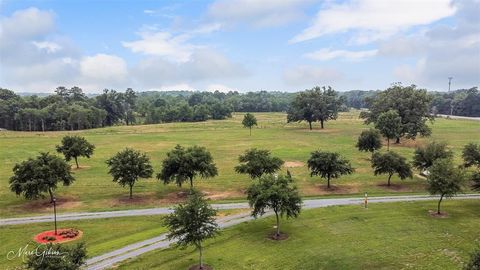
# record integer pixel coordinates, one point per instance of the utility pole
(449, 83)
(55, 213)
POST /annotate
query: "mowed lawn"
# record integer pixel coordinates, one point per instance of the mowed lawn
(384, 236)
(226, 139)
(99, 235)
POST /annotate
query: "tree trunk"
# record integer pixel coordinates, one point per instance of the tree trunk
(51, 195)
(398, 140)
(310, 124)
(76, 162)
(250, 131)
(278, 225)
(439, 202)
(388, 144)
(201, 255)
(43, 125)
(328, 181)
(321, 123)
(131, 187)
(191, 185)
(389, 177)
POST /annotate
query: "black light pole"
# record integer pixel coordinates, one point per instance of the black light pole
(55, 214)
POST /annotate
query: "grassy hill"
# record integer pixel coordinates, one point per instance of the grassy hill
(226, 139)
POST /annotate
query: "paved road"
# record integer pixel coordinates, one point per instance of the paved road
(458, 117)
(112, 258)
(312, 203)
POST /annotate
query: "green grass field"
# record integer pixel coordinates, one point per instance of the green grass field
(94, 190)
(384, 236)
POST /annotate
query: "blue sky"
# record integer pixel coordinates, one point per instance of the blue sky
(244, 45)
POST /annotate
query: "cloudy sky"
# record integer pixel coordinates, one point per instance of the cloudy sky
(245, 45)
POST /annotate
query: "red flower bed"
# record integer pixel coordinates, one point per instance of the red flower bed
(63, 235)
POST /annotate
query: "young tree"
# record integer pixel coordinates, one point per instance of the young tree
(74, 147)
(276, 193)
(36, 176)
(183, 165)
(390, 125)
(391, 163)
(328, 165)
(192, 223)
(411, 104)
(317, 104)
(424, 157)
(61, 257)
(369, 141)
(471, 155)
(249, 121)
(257, 162)
(127, 166)
(444, 179)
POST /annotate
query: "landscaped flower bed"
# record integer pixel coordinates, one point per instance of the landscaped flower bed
(63, 235)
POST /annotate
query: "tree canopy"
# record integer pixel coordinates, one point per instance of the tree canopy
(391, 163)
(445, 179)
(424, 157)
(57, 257)
(328, 165)
(74, 147)
(471, 157)
(35, 176)
(411, 104)
(257, 162)
(390, 125)
(317, 104)
(128, 166)
(369, 141)
(192, 223)
(249, 121)
(276, 193)
(182, 165)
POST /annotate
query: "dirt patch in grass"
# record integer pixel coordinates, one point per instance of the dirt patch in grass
(74, 168)
(45, 204)
(394, 187)
(220, 195)
(322, 189)
(197, 267)
(293, 164)
(280, 237)
(435, 214)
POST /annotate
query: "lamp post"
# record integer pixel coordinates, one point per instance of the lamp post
(55, 214)
(366, 200)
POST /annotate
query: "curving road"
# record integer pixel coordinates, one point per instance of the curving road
(310, 203)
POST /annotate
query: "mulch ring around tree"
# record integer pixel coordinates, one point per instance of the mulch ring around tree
(197, 267)
(63, 235)
(435, 214)
(274, 236)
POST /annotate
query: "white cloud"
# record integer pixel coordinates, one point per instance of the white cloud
(328, 54)
(49, 47)
(162, 44)
(173, 87)
(104, 68)
(311, 75)
(375, 19)
(219, 87)
(263, 13)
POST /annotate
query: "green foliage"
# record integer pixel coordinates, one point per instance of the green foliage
(257, 162)
(192, 223)
(127, 166)
(57, 257)
(249, 121)
(369, 141)
(36, 176)
(471, 155)
(183, 164)
(476, 181)
(445, 179)
(317, 104)
(474, 262)
(411, 104)
(463, 102)
(328, 165)
(424, 157)
(391, 163)
(390, 125)
(275, 193)
(74, 147)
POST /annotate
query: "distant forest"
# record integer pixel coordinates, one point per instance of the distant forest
(71, 109)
